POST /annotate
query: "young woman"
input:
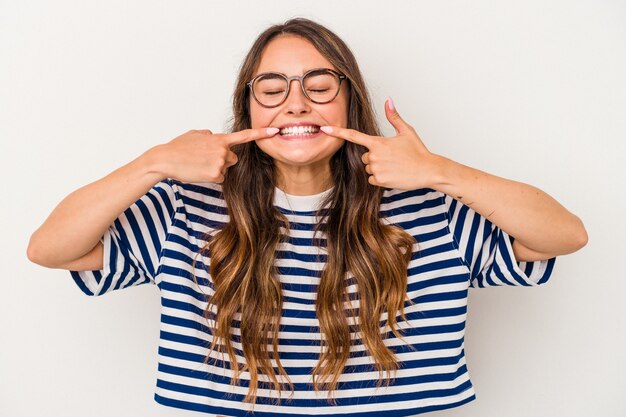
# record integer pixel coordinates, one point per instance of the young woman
(306, 264)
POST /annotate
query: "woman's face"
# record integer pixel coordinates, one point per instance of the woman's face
(292, 55)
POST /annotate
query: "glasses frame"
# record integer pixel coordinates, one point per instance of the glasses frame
(300, 79)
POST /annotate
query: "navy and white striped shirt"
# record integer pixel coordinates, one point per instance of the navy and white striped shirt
(156, 239)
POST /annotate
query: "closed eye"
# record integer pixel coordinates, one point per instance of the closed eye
(273, 93)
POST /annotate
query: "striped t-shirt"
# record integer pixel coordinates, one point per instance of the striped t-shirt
(156, 239)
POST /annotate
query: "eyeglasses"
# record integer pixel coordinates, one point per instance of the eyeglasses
(320, 85)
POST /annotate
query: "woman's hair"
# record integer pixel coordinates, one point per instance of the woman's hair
(247, 290)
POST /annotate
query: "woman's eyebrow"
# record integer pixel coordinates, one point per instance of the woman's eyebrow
(282, 73)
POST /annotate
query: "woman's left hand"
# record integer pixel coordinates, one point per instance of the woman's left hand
(401, 162)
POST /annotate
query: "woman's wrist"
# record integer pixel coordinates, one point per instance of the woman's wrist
(153, 163)
(455, 179)
(443, 171)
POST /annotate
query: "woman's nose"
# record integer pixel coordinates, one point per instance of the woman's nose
(296, 101)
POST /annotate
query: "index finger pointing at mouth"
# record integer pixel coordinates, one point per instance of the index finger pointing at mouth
(350, 135)
(249, 135)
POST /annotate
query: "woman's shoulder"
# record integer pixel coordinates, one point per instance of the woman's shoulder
(206, 196)
(421, 196)
(196, 189)
(399, 206)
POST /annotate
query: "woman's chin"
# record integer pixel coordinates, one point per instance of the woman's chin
(302, 155)
(296, 158)
(301, 152)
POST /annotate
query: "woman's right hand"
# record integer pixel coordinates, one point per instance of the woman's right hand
(201, 156)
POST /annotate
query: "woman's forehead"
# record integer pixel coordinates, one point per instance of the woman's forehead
(291, 55)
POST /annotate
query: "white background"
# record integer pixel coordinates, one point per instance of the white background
(533, 91)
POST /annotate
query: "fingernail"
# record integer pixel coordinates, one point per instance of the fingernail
(391, 105)
(326, 129)
(272, 130)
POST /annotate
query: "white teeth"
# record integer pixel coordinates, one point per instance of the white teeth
(299, 130)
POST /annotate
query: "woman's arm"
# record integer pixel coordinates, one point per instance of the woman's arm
(542, 228)
(70, 236)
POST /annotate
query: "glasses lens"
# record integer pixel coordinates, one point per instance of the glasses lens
(270, 89)
(321, 86)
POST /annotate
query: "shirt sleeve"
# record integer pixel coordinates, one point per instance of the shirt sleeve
(488, 251)
(133, 243)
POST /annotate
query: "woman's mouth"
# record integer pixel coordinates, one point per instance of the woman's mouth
(300, 132)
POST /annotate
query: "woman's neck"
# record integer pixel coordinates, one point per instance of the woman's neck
(303, 180)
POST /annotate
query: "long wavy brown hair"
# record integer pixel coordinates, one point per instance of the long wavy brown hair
(247, 289)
